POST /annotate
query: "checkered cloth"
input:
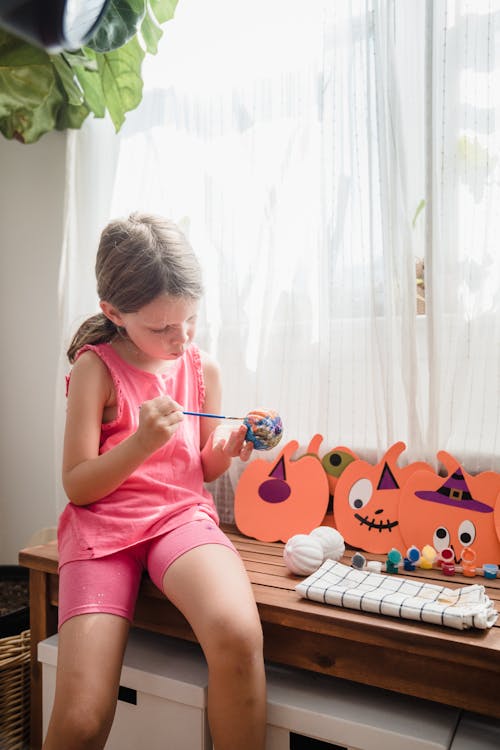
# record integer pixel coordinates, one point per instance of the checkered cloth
(393, 595)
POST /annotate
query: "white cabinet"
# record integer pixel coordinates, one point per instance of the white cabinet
(477, 733)
(163, 691)
(309, 711)
(163, 705)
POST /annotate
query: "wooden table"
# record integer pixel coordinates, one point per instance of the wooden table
(459, 668)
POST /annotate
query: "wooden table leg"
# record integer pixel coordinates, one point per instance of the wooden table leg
(43, 623)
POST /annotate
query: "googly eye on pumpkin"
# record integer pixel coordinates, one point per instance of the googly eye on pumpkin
(360, 494)
(441, 538)
(466, 533)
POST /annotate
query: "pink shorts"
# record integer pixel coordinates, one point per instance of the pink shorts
(110, 584)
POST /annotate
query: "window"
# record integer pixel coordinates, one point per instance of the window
(337, 171)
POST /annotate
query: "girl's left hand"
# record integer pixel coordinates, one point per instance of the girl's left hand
(235, 446)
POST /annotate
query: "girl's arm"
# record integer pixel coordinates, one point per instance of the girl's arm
(216, 459)
(87, 475)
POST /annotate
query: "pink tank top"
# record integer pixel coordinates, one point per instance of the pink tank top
(167, 489)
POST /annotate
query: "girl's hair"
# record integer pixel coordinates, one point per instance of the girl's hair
(138, 259)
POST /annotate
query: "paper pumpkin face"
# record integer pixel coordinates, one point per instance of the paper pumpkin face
(275, 500)
(367, 501)
(456, 511)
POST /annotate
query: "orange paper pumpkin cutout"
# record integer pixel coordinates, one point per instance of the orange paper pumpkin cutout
(276, 499)
(334, 462)
(456, 511)
(367, 501)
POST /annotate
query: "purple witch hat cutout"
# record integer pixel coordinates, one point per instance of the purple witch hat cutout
(455, 492)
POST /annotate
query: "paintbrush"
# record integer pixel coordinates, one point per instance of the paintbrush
(211, 416)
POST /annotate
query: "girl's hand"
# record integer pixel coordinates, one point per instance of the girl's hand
(235, 446)
(158, 421)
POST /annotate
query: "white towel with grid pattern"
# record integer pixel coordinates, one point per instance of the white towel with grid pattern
(343, 586)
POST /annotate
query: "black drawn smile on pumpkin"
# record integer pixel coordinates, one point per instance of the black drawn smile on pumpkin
(373, 524)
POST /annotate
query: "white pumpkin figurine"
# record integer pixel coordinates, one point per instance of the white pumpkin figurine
(331, 540)
(303, 554)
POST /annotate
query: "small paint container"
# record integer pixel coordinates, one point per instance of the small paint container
(358, 561)
(446, 561)
(393, 561)
(468, 556)
(427, 558)
(412, 558)
(490, 570)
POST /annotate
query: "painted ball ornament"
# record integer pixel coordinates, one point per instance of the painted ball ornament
(264, 429)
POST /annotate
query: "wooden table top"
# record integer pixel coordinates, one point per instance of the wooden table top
(459, 668)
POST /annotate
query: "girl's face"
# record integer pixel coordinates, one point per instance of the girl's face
(162, 329)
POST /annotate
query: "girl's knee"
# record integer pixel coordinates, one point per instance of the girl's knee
(237, 641)
(81, 727)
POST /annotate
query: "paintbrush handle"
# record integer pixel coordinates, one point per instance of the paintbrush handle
(212, 416)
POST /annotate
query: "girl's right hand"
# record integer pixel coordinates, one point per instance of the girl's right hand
(158, 421)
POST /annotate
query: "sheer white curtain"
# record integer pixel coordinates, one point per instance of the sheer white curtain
(289, 142)
(463, 255)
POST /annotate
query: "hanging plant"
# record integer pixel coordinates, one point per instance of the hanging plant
(40, 92)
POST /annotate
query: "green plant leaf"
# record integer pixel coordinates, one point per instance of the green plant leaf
(29, 96)
(163, 9)
(27, 124)
(91, 84)
(84, 58)
(41, 92)
(69, 83)
(71, 116)
(121, 80)
(85, 70)
(119, 24)
(151, 32)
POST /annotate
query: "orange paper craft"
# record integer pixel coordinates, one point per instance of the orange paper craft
(367, 501)
(456, 511)
(276, 499)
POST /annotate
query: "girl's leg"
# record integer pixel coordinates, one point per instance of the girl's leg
(96, 604)
(90, 656)
(210, 586)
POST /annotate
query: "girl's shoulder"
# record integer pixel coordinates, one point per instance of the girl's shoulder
(90, 372)
(90, 358)
(87, 358)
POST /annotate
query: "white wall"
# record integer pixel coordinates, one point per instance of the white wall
(31, 215)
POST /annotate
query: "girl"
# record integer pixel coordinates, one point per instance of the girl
(133, 469)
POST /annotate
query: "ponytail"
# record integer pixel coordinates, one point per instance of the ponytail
(95, 330)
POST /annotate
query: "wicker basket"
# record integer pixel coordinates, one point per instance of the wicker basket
(15, 691)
